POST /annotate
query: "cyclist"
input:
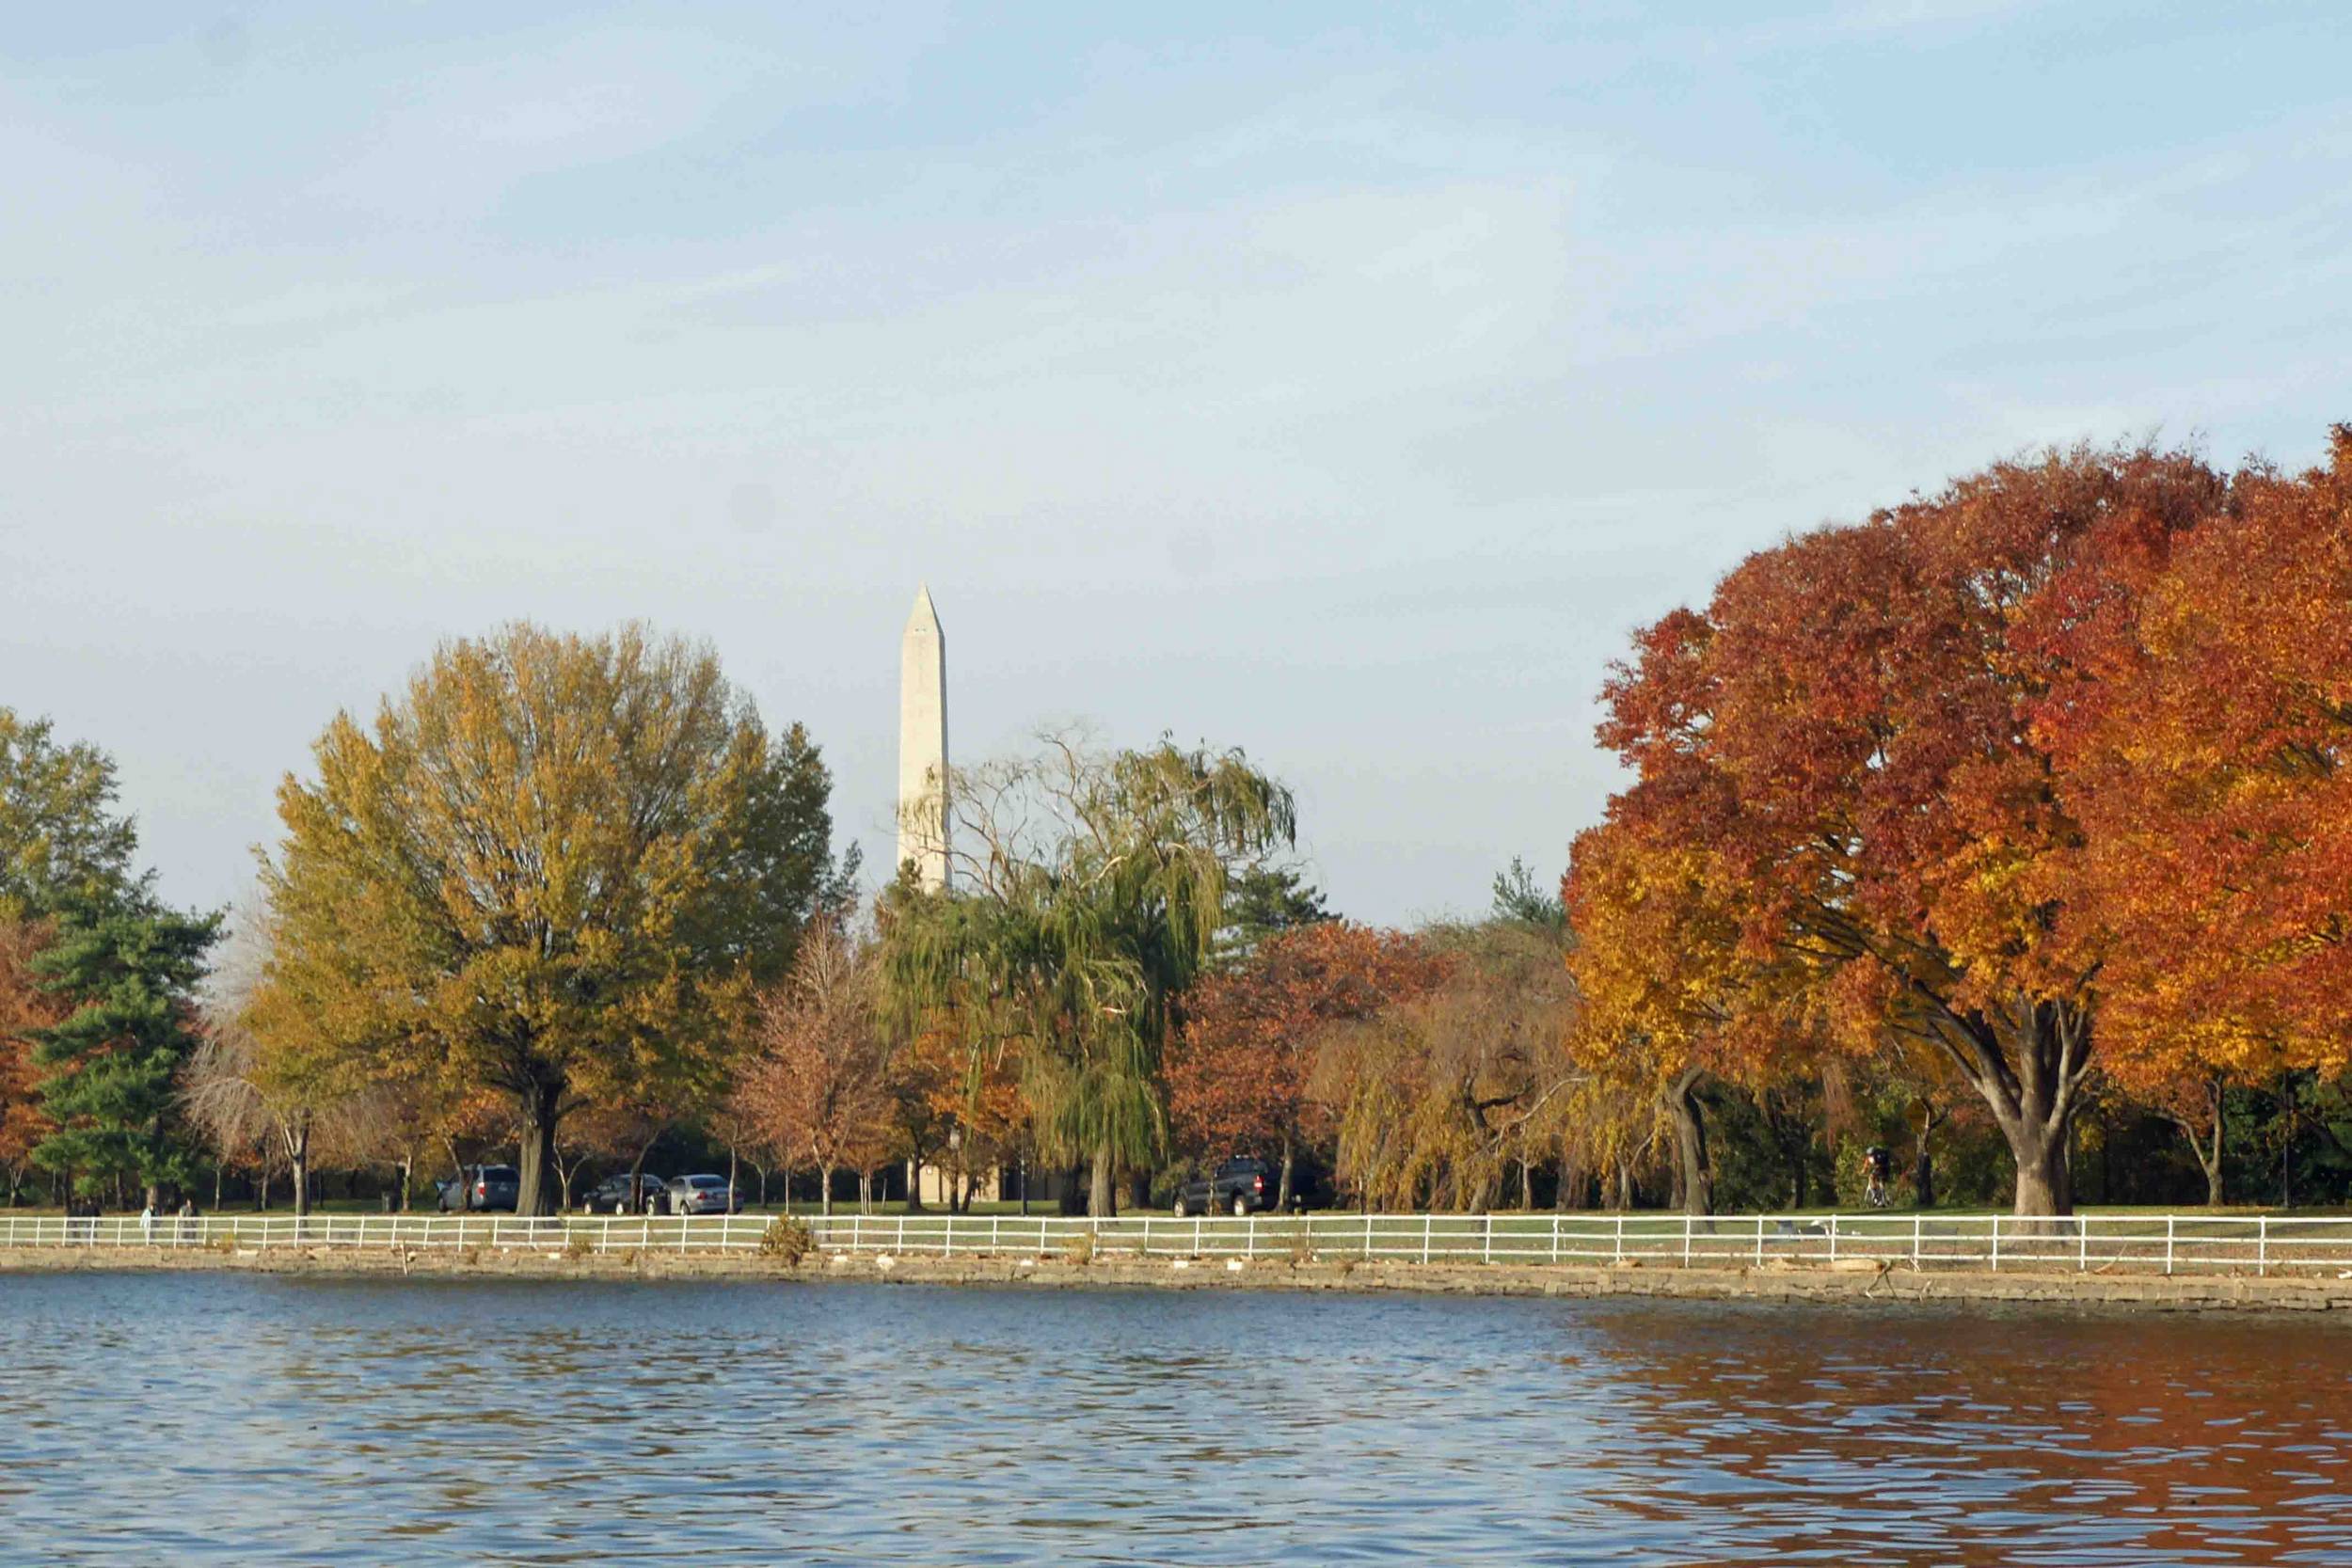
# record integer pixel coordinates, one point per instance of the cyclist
(1879, 1164)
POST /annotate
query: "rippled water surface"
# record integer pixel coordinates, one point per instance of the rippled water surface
(235, 1420)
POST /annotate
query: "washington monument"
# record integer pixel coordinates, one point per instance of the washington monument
(923, 744)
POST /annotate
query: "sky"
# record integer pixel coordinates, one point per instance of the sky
(1340, 381)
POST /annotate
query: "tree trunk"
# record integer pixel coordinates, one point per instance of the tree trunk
(2207, 1150)
(1102, 1197)
(1697, 1181)
(1282, 1193)
(865, 1192)
(298, 1156)
(730, 1178)
(1923, 1176)
(2025, 1060)
(824, 1190)
(540, 1107)
(2045, 1183)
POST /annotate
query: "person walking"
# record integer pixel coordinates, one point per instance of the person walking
(146, 1223)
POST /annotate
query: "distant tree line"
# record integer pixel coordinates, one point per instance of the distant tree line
(2009, 829)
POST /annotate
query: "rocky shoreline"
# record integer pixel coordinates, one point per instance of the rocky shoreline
(1861, 1284)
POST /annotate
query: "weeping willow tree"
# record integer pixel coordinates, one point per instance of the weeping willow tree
(1086, 892)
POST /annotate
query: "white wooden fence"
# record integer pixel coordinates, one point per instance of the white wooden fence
(2167, 1244)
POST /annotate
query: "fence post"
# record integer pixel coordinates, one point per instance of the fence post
(1833, 1238)
(2082, 1244)
(1555, 1235)
(1249, 1243)
(1486, 1249)
(1759, 1241)
(1426, 1221)
(1620, 1258)
(2262, 1245)
(1687, 1229)
(901, 1242)
(1147, 1235)
(1367, 1234)
(1997, 1244)
(2167, 1244)
(993, 1220)
(1914, 1240)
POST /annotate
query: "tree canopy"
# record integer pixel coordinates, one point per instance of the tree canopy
(1850, 752)
(556, 866)
(1091, 888)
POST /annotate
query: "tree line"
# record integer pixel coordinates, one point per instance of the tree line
(2006, 828)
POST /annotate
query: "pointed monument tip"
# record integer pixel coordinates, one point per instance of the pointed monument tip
(925, 611)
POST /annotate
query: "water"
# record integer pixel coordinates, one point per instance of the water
(227, 1418)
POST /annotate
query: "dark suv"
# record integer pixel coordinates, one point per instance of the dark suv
(483, 1187)
(1240, 1186)
(612, 1195)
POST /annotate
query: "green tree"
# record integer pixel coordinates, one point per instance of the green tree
(1262, 901)
(1092, 888)
(1519, 897)
(61, 839)
(111, 1065)
(557, 868)
(104, 970)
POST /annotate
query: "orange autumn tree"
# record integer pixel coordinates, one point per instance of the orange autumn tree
(1238, 1075)
(24, 1007)
(1846, 736)
(812, 1087)
(2208, 765)
(967, 1088)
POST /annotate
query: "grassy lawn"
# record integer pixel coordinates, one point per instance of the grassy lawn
(1511, 1219)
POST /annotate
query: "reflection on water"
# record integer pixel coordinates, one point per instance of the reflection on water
(235, 1420)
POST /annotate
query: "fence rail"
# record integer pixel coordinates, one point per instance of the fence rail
(2166, 1244)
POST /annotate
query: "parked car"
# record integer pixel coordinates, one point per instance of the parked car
(702, 1195)
(1242, 1186)
(481, 1187)
(612, 1195)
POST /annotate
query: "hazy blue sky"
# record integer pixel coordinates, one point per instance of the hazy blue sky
(1338, 383)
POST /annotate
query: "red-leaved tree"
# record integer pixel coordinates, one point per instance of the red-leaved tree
(1237, 1076)
(1847, 738)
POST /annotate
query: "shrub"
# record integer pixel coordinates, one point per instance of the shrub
(788, 1239)
(1081, 1248)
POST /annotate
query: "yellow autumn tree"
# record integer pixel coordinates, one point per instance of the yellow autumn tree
(556, 867)
(1670, 997)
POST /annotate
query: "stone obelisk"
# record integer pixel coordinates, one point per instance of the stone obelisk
(923, 744)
